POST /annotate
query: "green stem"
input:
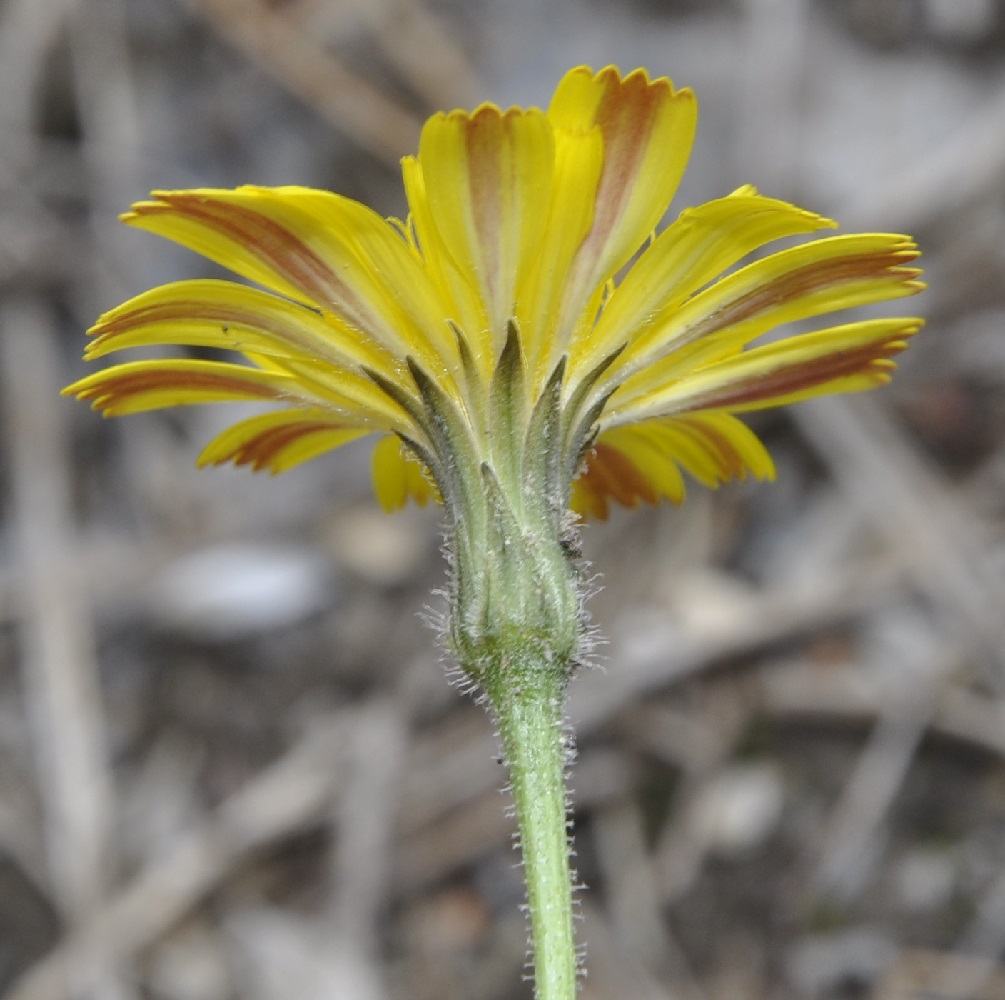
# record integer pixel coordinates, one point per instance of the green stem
(528, 696)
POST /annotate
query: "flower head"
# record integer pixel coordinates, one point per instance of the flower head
(525, 323)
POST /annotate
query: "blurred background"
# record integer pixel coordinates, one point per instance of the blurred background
(230, 765)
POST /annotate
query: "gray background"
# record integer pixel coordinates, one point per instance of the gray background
(230, 765)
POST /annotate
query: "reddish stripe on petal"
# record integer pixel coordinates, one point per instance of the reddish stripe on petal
(111, 389)
(144, 382)
(228, 316)
(185, 308)
(486, 182)
(643, 462)
(645, 129)
(610, 473)
(280, 440)
(181, 311)
(869, 359)
(727, 459)
(162, 311)
(247, 324)
(626, 115)
(273, 244)
(485, 137)
(803, 281)
(262, 450)
(270, 242)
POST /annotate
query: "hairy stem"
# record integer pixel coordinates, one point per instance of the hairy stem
(528, 695)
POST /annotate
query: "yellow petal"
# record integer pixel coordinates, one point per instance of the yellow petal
(647, 129)
(823, 276)
(279, 441)
(316, 247)
(626, 466)
(348, 394)
(398, 476)
(701, 244)
(716, 448)
(153, 385)
(273, 333)
(487, 179)
(463, 304)
(641, 463)
(225, 315)
(839, 359)
(579, 159)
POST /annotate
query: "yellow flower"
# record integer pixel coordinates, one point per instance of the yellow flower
(525, 304)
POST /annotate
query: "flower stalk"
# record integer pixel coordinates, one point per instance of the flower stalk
(515, 621)
(527, 695)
